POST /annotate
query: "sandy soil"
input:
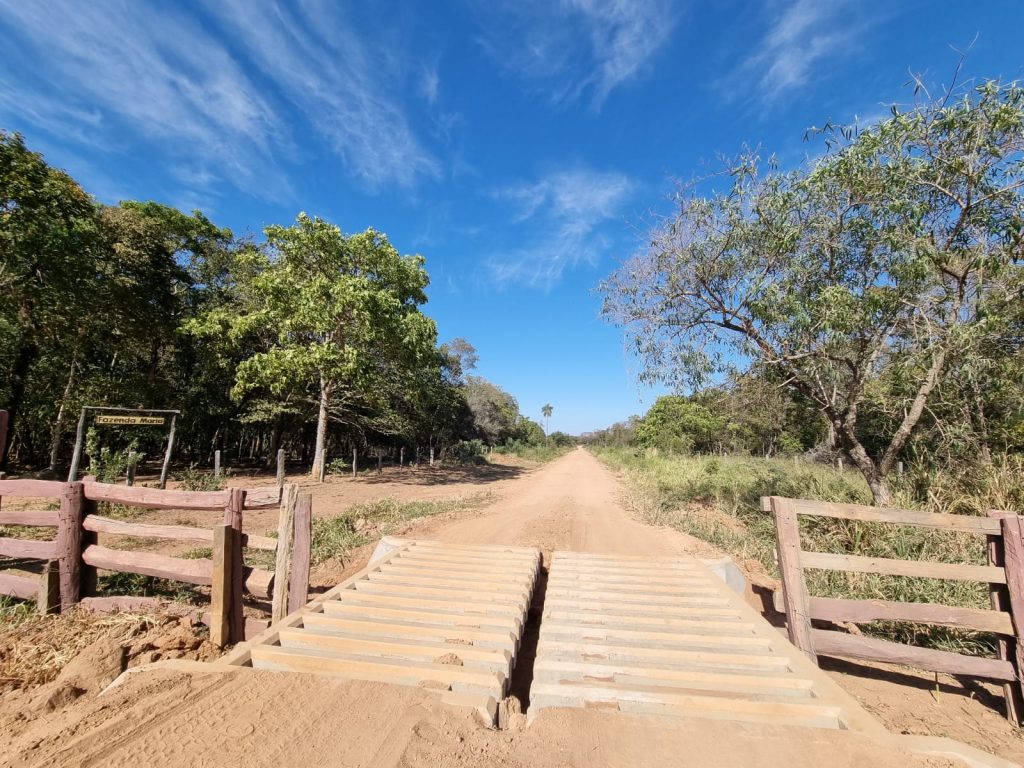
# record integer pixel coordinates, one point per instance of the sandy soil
(265, 719)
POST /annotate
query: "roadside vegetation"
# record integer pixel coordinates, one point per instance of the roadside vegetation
(336, 537)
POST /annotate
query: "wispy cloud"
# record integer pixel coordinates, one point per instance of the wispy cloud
(83, 70)
(575, 49)
(229, 104)
(340, 79)
(800, 37)
(564, 214)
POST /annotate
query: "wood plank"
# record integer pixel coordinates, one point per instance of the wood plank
(523, 580)
(893, 567)
(964, 523)
(31, 489)
(609, 692)
(298, 586)
(668, 637)
(198, 571)
(155, 498)
(34, 517)
(414, 616)
(710, 658)
(617, 579)
(283, 559)
(693, 613)
(497, 586)
(476, 595)
(707, 604)
(498, 658)
(105, 525)
(980, 620)
(258, 581)
(775, 720)
(589, 619)
(35, 550)
(487, 549)
(1013, 553)
(791, 564)
(387, 671)
(447, 606)
(21, 587)
(831, 643)
(263, 497)
(549, 670)
(612, 590)
(324, 622)
(468, 568)
(632, 598)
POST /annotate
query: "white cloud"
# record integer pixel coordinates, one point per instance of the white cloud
(344, 82)
(79, 71)
(577, 48)
(85, 68)
(564, 213)
(801, 37)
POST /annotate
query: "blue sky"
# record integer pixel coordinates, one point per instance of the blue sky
(522, 147)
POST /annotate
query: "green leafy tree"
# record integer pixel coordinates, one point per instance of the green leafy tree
(676, 425)
(881, 262)
(339, 315)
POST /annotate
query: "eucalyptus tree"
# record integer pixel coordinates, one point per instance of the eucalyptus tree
(857, 280)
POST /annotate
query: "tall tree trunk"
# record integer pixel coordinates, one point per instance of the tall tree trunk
(27, 353)
(58, 424)
(326, 388)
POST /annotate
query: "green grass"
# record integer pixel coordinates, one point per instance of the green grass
(335, 537)
(538, 453)
(678, 490)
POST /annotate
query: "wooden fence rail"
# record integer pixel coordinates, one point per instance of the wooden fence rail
(70, 562)
(1004, 574)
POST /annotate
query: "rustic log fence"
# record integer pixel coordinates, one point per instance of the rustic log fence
(1004, 574)
(70, 562)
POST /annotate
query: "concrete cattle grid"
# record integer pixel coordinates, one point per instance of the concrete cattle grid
(665, 636)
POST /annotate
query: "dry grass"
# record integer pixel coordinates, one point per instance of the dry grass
(34, 648)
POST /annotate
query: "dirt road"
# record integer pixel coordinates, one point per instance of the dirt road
(259, 719)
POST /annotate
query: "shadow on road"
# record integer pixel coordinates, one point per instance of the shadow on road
(430, 476)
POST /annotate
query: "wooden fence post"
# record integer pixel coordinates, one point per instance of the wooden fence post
(233, 517)
(401, 456)
(90, 578)
(794, 586)
(223, 578)
(216, 463)
(48, 600)
(285, 537)
(298, 587)
(280, 468)
(1013, 564)
(129, 475)
(69, 544)
(355, 457)
(167, 454)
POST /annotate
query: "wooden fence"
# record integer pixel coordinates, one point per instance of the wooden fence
(1004, 574)
(74, 557)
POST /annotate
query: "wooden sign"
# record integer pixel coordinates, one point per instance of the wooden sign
(128, 420)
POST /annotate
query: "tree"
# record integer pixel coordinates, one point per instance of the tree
(547, 410)
(495, 411)
(340, 318)
(856, 280)
(49, 239)
(676, 425)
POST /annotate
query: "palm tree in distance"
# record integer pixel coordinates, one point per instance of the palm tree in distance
(547, 410)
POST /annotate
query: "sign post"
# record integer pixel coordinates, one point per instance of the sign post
(124, 417)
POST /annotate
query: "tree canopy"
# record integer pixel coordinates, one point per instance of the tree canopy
(860, 280)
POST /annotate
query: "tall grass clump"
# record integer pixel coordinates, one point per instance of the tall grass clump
(678, 491)
(531, 452)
